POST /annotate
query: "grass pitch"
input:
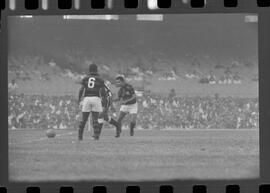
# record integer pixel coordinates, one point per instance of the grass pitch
(149, 155)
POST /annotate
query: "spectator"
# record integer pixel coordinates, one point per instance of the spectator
(211, 78)
(52, 63)
(172, 94)
(12, 86)
(237, 79)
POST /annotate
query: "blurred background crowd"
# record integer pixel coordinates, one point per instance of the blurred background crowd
(155, 112)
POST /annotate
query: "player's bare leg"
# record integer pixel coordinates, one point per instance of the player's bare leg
(96, 125)
(133, 123)
(110, 120)
(85, 116)
(119, 123)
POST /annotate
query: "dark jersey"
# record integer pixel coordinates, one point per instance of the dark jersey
(125, 93)
(92, 85)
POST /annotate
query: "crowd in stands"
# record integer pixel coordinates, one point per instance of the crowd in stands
(199, 112)
(24, 66)
(39, 111)
(155, 112)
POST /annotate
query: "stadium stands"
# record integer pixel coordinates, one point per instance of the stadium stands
(156, 112)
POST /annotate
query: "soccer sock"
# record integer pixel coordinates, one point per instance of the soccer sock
(96, 130)
(113, 122)
(100, 128)
(132, 126)
(80, 132)
(119, 127)
(82, 124)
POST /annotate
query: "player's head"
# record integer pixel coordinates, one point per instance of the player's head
(120, 81)
(93, 69)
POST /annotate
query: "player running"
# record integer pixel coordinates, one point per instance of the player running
(127, 98)
(90, 90)
(106, 95)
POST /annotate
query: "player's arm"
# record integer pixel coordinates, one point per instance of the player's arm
(81, 91)
(104, 96)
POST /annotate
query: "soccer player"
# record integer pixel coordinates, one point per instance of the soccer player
(127, 98)
(106, 96)
(90, 90)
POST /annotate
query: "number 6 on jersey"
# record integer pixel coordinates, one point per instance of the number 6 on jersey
(91, 82)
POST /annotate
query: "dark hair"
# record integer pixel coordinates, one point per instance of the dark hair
(121, 78)
(93, 68)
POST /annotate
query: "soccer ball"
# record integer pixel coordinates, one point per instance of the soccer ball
(50, 133)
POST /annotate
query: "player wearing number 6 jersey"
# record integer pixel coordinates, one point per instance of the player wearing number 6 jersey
(90, 91)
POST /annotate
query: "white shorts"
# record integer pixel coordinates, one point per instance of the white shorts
(131, 109)
(91, 104)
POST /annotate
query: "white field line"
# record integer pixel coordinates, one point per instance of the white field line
(42, 138)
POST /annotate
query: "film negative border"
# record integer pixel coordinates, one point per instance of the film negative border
(60, 7)
(264, 188)
(212, 6)
(130, 5)
(100, 4)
